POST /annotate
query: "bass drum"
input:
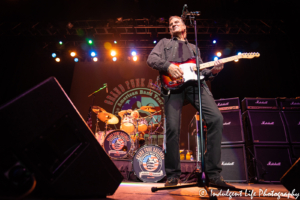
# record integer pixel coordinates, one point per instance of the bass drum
(149, 163)
(117, 144)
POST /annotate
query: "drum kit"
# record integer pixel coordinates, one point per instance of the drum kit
(129, 141)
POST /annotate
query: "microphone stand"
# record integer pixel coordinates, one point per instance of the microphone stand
(202, 179)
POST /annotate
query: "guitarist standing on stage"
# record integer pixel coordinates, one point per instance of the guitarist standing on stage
(178, 49)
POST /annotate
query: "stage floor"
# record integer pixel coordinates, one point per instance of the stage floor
(139, 191)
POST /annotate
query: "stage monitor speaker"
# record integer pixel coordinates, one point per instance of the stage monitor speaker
(43, 133)
(290, 180)
(264, 127)
(292, 120)
(232, 127)
(272, 161)
(234, 165)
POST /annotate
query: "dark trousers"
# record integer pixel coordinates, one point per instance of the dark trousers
(214, 121)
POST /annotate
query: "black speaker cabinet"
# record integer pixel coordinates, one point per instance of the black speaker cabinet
(43, 133)
(234, 165)
(232, 127)
(292, 120)
(290, 180)
(272, 161)
(264, 126)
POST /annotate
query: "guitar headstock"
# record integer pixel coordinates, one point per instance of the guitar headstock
(249, 55)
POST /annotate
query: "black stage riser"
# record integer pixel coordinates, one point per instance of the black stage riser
(45, 133)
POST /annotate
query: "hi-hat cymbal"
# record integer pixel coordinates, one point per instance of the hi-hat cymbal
(108, 118)
(97, 109)
(148, 108)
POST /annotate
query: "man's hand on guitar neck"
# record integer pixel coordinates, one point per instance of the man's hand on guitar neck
(219, 65)
(175, 71)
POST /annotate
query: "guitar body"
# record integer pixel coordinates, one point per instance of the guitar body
(172, 83)
(188, 68)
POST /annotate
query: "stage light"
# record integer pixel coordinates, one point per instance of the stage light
(90, 41)
(236, 60)
(73, 54)
(216, 58)
(93, 53)
(214, 41)
(95, 59)
(239, 53)
(219, 54)
(57, 59)
(133, 53)
(113, 53)
(115, 42)
(154, 42)
(53, 55)
(134, 58)
(114, 59)
(60, 42)
(76, 60)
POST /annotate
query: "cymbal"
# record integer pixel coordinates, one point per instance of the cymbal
(108, 118)
(97, 109)
(148, 108)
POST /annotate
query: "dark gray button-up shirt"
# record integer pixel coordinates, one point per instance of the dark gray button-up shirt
(166, 51)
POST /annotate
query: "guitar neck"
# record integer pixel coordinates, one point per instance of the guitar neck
(224, 60)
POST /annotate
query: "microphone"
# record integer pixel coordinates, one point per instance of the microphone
(184, 11)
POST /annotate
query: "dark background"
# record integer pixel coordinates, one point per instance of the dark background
(274, 74)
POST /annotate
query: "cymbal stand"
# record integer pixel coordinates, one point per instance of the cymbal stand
(151, 133)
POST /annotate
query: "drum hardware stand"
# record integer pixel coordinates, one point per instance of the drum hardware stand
(202, 179)
(159, 125)
(93, 94)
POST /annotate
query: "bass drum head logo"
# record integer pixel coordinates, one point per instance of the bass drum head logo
(148, 163)
(117, 144)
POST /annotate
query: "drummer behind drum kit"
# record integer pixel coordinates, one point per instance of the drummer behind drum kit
(129, 142)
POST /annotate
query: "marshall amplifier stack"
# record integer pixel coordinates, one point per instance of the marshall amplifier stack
(233, 158)
(266, 138)
(290, 110)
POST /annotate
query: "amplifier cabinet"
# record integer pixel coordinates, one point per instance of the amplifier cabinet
(262, 126)
(292, 122)
(234, 164)
(259, 104)
(228, 104)
(232, 127)
(272, 161)
(289, 104)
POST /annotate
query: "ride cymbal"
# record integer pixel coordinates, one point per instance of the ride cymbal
(97, 109)
(148, 108)
(108, 118)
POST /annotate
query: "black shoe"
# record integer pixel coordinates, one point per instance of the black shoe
(172, 181)
(219, 182)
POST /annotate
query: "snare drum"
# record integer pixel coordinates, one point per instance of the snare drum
(142, 125)
(149, 163)
(117, 144)
(128, 124)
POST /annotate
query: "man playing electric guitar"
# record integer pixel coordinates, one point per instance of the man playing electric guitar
(178, 49)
